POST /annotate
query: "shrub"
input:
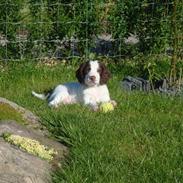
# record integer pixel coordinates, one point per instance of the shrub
(9, 19)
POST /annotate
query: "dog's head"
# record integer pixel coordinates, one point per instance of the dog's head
(92, 73)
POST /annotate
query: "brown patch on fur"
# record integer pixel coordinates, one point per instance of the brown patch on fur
(104, 74)
(85, 68)
(82, 71)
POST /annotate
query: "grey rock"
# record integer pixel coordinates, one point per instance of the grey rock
(26, 114)
(18, 129)
(31, 119)
(161, 86)
(135, 83)
(18, 166)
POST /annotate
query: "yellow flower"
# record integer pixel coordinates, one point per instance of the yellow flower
(31, 146)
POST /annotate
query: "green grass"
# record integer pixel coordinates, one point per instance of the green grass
(140, 141)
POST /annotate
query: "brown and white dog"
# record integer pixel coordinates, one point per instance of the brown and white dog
(91, 90)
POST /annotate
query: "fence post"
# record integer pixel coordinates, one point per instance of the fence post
(173, 69)
(86, 44)
(6, 32)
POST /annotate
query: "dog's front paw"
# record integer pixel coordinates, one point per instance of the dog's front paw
(94, 108)
(114, 103)
(53, 104)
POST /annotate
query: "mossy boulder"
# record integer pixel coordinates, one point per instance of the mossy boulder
(17, 164)
(11, 111)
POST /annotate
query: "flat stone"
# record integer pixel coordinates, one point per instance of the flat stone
(18, 166)
(14, 128)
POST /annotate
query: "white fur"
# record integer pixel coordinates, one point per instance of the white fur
(90, 94)
(93, 72)
(40, 96)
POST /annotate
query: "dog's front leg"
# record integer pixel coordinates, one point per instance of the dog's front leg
(113, 102)
(94, 107)
(91, 104)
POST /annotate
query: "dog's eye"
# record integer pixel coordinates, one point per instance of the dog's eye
(88, 69)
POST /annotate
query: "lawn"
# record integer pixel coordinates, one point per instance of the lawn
(140, 141)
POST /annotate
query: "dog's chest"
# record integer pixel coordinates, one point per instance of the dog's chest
(93, 92)
(96, 93)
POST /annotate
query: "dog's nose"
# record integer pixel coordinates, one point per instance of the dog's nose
(92, 78)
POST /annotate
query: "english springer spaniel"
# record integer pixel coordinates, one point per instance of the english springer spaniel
(91, 90)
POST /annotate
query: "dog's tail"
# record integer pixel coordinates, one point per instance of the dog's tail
(40, 96)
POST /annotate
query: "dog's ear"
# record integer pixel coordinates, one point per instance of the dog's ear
(80, 73)
(104, 74)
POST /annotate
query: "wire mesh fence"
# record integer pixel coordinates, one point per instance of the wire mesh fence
(38, 29)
